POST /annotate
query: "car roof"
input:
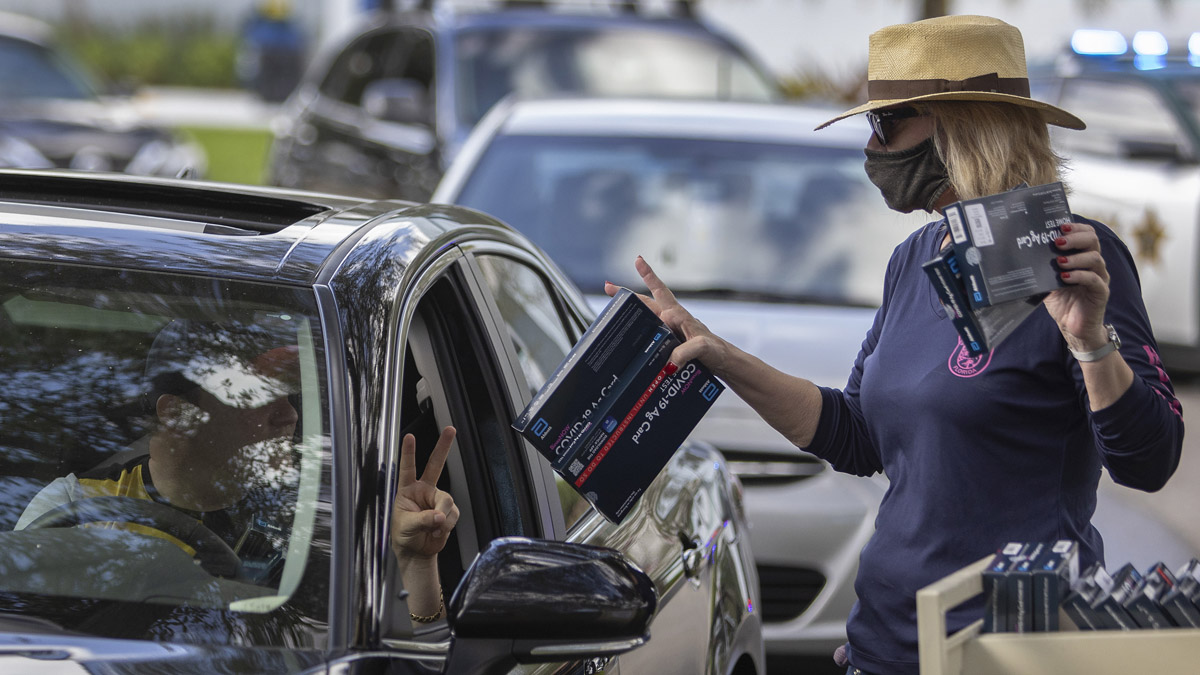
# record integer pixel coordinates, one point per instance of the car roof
(711, 120)
(17, 26)
(191, 227)
(1119, 67)
(448, 21)
(567, 18)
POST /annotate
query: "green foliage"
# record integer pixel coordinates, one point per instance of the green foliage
(187, 51)
(234, 155)
(814, 83)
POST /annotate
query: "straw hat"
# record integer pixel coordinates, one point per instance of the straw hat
(951, 58)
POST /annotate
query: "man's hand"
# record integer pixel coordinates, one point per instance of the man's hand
(422, 515)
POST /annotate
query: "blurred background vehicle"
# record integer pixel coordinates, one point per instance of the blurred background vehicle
(52, 115)
(381, 114)
(771, 234)
(1137, 165)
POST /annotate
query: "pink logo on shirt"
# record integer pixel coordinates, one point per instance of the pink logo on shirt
(963, 364)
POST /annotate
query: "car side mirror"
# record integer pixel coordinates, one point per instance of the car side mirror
(534, 601)
(400, 100)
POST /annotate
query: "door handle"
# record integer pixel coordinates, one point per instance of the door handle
(692, 555)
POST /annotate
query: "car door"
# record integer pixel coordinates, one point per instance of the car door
(673, 524)
(1135, 170)
(447, 365)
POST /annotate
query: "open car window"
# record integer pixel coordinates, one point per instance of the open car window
(161, 455)
(450, 376)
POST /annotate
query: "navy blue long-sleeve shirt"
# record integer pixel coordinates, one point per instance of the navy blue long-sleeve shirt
(983, 451)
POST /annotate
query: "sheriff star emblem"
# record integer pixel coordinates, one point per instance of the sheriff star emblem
(1149, 234)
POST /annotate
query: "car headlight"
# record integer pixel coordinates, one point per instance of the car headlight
(165, 158)
(20, 154)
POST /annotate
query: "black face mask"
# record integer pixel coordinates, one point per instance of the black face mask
(909, 179)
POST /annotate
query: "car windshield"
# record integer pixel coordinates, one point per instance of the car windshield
(756, 221)
(160, 454)
(532, 62)
(28, 70)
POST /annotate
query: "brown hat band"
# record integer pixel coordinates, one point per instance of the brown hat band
(889, 90)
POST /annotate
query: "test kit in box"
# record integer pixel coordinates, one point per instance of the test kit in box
(1005, 242)
(983, 328)
(1180, 601)
(1020, 590)
(614, 411)
(1054, 572)
(1001, 603)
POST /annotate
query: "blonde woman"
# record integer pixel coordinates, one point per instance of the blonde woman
(979, 451)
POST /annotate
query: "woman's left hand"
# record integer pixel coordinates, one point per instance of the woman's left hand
(1078, 308)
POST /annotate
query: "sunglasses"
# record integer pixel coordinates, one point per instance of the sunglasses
(883, 121)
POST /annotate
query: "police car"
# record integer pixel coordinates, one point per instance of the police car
(1137, 165)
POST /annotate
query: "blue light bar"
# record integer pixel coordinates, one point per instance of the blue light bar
(1194, 49)
(1093, 42)
(1149, 61)
(1149, 43)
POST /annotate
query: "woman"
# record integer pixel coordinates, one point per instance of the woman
(978, 451)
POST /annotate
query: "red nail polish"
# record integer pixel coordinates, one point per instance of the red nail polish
(1066, 275)
(670, 368)
(1062, 260)
(1061, 241)
(1066, 228)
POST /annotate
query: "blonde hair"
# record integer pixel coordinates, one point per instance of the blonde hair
(991, 147)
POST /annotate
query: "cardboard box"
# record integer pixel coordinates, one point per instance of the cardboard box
(1005, 242)
(1109, 605)
(1129, 588)
(1180, 601)
(999, 604)
(1020, 589)
(1054, 572)
(982, 329)
(1146, 606)
(612, 414)
(1089, 605)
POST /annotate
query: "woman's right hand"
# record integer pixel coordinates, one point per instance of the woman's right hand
(698, 341)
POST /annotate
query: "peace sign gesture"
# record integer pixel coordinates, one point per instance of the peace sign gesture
(422, 515)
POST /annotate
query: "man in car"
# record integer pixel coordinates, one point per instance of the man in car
(223, 453)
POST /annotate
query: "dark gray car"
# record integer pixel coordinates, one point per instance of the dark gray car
(393, 318)
(382, 114)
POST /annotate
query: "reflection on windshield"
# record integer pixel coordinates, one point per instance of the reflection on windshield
(160, 451)
(629, 62)
(743, 220)
(29, 71)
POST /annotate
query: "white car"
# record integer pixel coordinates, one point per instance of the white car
(771, 234)
(1137, 166)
